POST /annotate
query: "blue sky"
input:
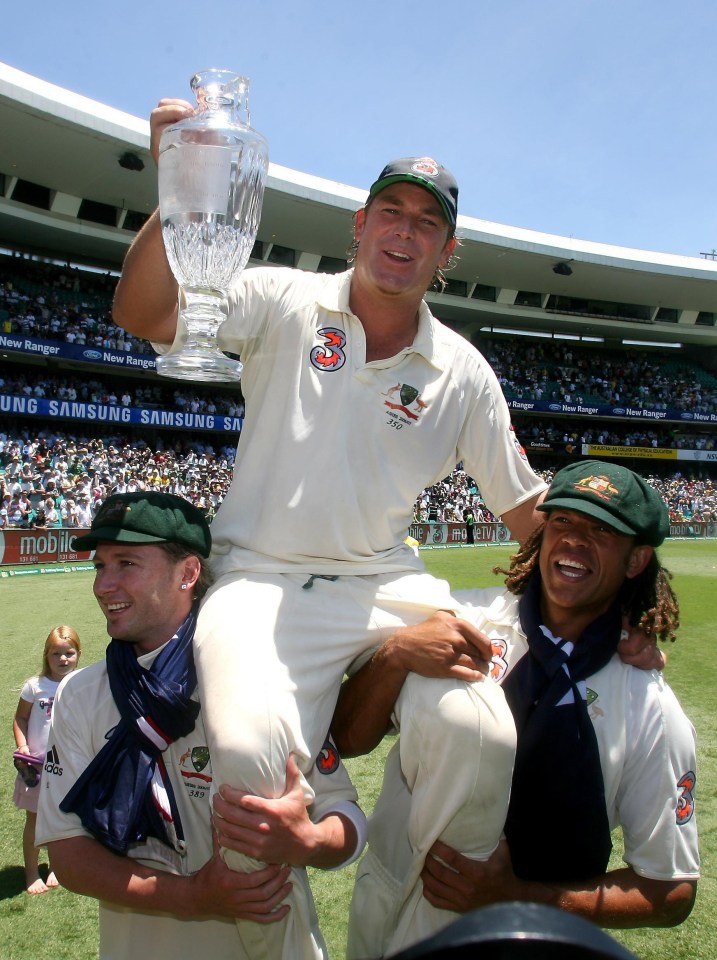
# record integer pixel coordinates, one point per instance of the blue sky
(593, 119)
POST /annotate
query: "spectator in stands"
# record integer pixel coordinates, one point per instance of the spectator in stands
(83, 511)
(52, 514)
(39, 517)
(28, 505)
(68, 513)
(17, 512)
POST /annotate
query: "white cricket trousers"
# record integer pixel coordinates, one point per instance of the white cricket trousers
(271, 652)
(448, 777)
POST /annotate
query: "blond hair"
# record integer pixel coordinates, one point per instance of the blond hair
(61, 634)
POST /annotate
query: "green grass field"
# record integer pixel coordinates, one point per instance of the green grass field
(32, 605)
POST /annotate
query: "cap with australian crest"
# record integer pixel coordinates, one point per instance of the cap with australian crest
(612, 494)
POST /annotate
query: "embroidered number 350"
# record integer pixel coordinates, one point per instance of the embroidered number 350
(331, 355)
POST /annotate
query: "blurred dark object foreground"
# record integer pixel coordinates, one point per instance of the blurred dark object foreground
(527, 931)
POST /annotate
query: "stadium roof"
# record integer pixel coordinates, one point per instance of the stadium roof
(69, 190)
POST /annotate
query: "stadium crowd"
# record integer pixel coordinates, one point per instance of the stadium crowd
(615, 433)
(60, 480)
(686, 499)
(75, 475)
(61, 303)
(17, 382)
(569, 374)
(21, 382)
(52, 303)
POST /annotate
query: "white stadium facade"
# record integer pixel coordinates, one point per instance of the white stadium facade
(77, 181)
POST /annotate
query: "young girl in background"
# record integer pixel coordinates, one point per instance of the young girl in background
(31, 727)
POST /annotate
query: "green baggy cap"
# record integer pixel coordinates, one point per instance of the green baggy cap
(613, 494)
(148, 517)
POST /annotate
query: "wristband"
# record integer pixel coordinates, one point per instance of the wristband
(358, 818)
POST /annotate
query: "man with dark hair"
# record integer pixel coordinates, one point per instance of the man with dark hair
(599, 743)
(125, 803)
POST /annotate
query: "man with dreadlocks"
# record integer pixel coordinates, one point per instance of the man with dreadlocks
(600, 743)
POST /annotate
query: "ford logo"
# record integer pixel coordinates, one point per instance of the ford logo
(618, 411)
(555, 406)
(686, 416)
(92, 354)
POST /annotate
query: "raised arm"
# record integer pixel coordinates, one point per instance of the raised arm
(145, 300)
(442, 646)
(617, 899)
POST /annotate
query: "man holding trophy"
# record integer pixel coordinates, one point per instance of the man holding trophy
(357, 399)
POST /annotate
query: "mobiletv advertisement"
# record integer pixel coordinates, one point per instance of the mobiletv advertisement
(38, 547)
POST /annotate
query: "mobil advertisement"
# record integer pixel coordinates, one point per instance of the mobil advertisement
(40, 546)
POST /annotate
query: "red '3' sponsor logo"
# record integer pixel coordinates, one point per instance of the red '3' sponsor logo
(330, 356)
(328, 759)
(686, 798)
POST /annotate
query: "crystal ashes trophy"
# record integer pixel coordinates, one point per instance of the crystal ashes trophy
(212, 171)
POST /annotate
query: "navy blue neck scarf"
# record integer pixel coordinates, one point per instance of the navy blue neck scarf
(557, 826)
(125, 795)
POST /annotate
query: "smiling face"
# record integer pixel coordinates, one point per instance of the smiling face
(139, 589)
(583, 564)
(403, 237)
